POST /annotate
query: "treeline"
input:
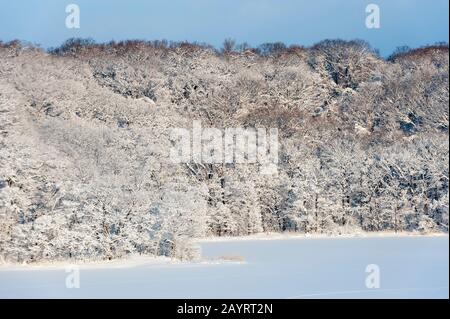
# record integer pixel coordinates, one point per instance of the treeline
(76, 46)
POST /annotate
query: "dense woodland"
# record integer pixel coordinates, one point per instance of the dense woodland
(85, 138)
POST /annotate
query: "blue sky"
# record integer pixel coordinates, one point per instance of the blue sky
(403, 22)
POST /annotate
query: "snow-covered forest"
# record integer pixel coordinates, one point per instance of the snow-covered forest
(85, 141)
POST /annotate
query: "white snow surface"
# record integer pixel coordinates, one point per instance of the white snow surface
(280, 267)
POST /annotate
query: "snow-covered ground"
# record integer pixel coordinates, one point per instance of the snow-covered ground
(409, 267)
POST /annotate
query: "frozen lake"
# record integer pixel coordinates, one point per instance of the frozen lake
(409, 267)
